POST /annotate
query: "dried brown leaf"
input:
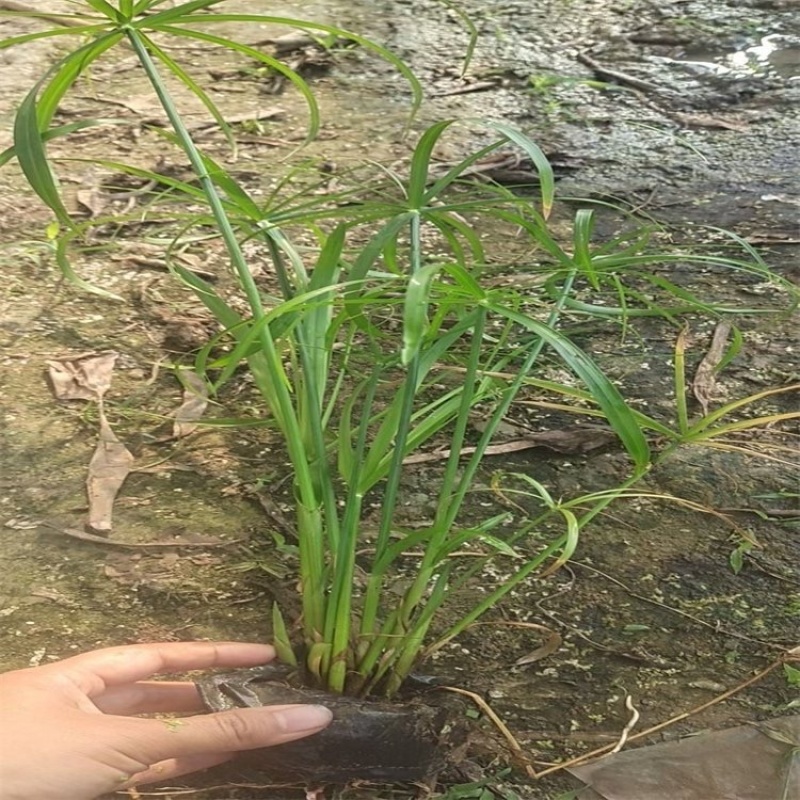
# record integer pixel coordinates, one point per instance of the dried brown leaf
(738, 762)
(704, 381)
(195, 402)
(93, 200)
(83, 377)
(108, 470)
(550, 646)
(568, 441)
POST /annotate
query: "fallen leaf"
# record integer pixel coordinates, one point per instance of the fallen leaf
(709, 121)
(744, 762)
(705, 381)
(195, 401)
(93, 200)
(108, 470)
(550, 646)
(567, 441)
(84, 377)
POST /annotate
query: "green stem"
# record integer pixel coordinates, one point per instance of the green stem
(338, 622)
(415, 595)
(462, 420)
(375, 582)
(313, 557)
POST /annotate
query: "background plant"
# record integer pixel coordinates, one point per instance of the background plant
(351, 356)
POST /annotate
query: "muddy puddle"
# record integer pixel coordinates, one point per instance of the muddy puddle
(684, 113)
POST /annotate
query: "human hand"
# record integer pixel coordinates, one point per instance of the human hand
(67, 733)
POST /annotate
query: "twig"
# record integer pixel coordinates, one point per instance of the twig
(714, 627)
(513, 744)
(174, 791)
(615, 75)
(162, 266)
(790, 655)
(634, 718)
(649, 659)
(90, 537)
(469, 88)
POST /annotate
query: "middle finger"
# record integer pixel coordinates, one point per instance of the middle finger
(149, 697)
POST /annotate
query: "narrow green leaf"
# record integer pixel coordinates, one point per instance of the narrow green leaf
(471, 29)
(62, 259)
(465, 281)
(437, 187)
(293, 77)
(540, 488)
(679, 292)
(263, 19)
(190, 190)
(570, 541)
(183, 12)
(415, 311)
(205, 292)
(32, 158)
(280, 638)
(446, 222)
(582, 237)
(326, 271)
(62, 130)
(605, 394)
(106, 9)
(235, 193)
(83, 30)
(191, 84)
(66, 72)
(539, 159)
(145, 5)
(420, 163)
(367, 257)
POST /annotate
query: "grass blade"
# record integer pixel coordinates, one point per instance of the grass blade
(420, 164)
(547, 185)
(363, 41)
(605, 394)
(257, 55)
(190, 83)
(32, 157)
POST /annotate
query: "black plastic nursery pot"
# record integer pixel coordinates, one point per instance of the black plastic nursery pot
(379, 741)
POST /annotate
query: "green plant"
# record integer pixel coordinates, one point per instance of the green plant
(792, 675)
(366, 355)
(490, 788)
(348, 435)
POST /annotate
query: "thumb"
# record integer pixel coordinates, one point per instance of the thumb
(225, 731)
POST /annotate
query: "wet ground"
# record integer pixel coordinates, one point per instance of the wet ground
(684, 112)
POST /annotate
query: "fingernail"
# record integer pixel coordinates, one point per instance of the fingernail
(304, 718)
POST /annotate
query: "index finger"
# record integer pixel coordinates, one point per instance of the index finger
(113, 666)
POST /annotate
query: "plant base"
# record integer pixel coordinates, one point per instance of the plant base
(368, 740)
